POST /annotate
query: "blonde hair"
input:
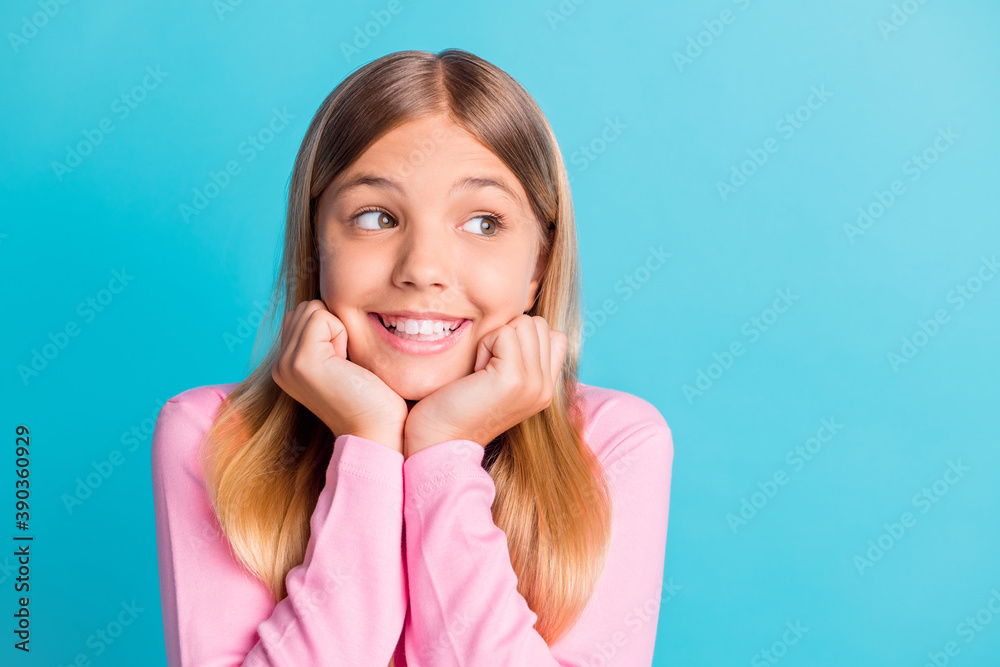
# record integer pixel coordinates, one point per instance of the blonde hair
(266, 454)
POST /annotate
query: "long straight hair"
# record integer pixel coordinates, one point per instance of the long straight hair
(265, 455)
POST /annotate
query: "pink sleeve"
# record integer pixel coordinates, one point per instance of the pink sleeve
(346, 601)
(465, 609)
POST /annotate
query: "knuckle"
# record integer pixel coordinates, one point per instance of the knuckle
(510, 383)
(538, 390)
(318, 315)
(297, 365)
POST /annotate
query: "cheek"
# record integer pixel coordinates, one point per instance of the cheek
(346, 277)
(498, 288)
(341, 291)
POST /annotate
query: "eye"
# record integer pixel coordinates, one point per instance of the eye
(377, 217)
(485, 225)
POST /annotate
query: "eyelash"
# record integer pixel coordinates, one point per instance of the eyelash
(497, 218)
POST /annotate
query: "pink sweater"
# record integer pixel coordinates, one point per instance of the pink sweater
(349, 601)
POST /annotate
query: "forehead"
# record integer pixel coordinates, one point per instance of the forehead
(431, 152)
(429, 135)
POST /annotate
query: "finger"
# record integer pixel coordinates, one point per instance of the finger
(545, 353)
(321, 329)
(482, 354)
(559, 346)
(507, 350)
(279, 367)
(527, 336)
(299, 320)
(293, 318)
(288, 327)
(484, 351)
(302, 312)
(284, 328)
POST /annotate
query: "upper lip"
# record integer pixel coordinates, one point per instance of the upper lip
(427, 315)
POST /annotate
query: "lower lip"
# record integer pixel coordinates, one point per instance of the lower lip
(418, 346)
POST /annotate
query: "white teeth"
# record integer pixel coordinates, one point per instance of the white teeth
(422, 330)
(422, 327)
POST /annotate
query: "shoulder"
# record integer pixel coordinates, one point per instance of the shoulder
(201, 399)
(613, 417)
(181, 425)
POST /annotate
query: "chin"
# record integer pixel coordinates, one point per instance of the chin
(415, 379)
(412, 391)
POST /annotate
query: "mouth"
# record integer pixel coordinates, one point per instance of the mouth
(418, 335)
(410, 328)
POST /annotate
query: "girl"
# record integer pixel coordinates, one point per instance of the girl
(413, 475)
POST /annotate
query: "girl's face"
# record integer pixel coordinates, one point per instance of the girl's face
(427, 230)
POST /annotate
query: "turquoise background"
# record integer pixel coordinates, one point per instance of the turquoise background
(662, 133)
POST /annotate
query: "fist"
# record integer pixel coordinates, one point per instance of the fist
(312, 367)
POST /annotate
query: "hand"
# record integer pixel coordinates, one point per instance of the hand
(517, 366)
(312, 367)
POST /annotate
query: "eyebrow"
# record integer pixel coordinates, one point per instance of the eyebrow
(467, 183)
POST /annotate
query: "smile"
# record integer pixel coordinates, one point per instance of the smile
(414, 336)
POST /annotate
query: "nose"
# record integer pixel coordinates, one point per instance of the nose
(424, 257)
